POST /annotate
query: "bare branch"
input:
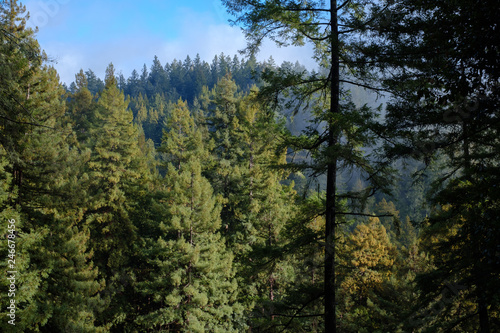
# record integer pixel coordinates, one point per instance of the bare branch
(363, 85)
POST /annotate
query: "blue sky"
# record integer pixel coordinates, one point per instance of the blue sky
(79, 34)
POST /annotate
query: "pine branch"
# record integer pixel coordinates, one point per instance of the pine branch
(367, 215)
(364, 86)
(296, 315)
(24, 123)
(343, 5)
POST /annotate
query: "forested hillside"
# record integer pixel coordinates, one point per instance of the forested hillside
(248, 196)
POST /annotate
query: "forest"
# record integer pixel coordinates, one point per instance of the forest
(248, 196)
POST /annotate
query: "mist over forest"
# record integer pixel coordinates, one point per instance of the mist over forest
(245, 195)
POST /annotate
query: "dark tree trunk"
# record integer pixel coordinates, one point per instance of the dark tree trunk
(484, 322)
(330, 318)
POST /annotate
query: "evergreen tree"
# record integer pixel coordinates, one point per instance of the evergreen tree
(117, 172)
(200, 76)
(391, 222)
(43, 169)
(133, 85)
(157, 79)
(94, 84)
(177, 76)
(243, 169)
(142, 114)
(21, 58)
(340, 128)
(440, 62)
(392, 305)
(368, 262)
(81, 107)
(225, 130)
(191, 284)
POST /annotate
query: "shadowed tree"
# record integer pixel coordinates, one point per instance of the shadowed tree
(43, 175)
(339, 128)
(440, 61)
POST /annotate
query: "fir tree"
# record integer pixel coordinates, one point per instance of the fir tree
(244, 169)
(117, 172)
(439, 60)
(339, 128)
(368, 262)
(81, 106)
(191, 284)
(94, 84)
(44, 169)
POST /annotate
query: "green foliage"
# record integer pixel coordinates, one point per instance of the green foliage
(82, 109)
(136, 213)
(191, 285)
(56, 280)
(438, 62)
(367, 261)
(340, 131)
(115, 171)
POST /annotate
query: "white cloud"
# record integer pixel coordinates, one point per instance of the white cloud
(303, 54)
(207, 41)
(126, 54)
(46, 13)
(198, 34)
(201, 35)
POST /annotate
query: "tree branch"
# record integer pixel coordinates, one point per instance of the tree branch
(367, 215)
(364, 86)
(296, 313)
(343, 5)
(24, 123)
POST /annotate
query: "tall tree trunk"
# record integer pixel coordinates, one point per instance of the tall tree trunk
(484, 321)
(484, 324)
(330, 318)
(192, 210)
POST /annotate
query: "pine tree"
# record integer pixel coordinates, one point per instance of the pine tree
(340, 128)
(225, 131)
(177, 77)
(43, 169)
(368, 262)
(81, 106)
(391, 307)
(443, 69)
(117, 173)
(191, 284)
(158, 80)
(243, 168)
(94, 84)
(21, 58)
(391, 223)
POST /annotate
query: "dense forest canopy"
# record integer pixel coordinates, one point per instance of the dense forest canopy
(248, 196)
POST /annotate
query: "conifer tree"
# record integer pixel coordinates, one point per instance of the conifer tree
(81, 106)
(157, 80)
(44, 169)
(94, 84)
(225, 131)
(389, 217)
(440, 61)
(142, 114)
(245, 148)
(368, 262)
(191, 284)
(117, 172)
(339, 127)
(243, 168)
